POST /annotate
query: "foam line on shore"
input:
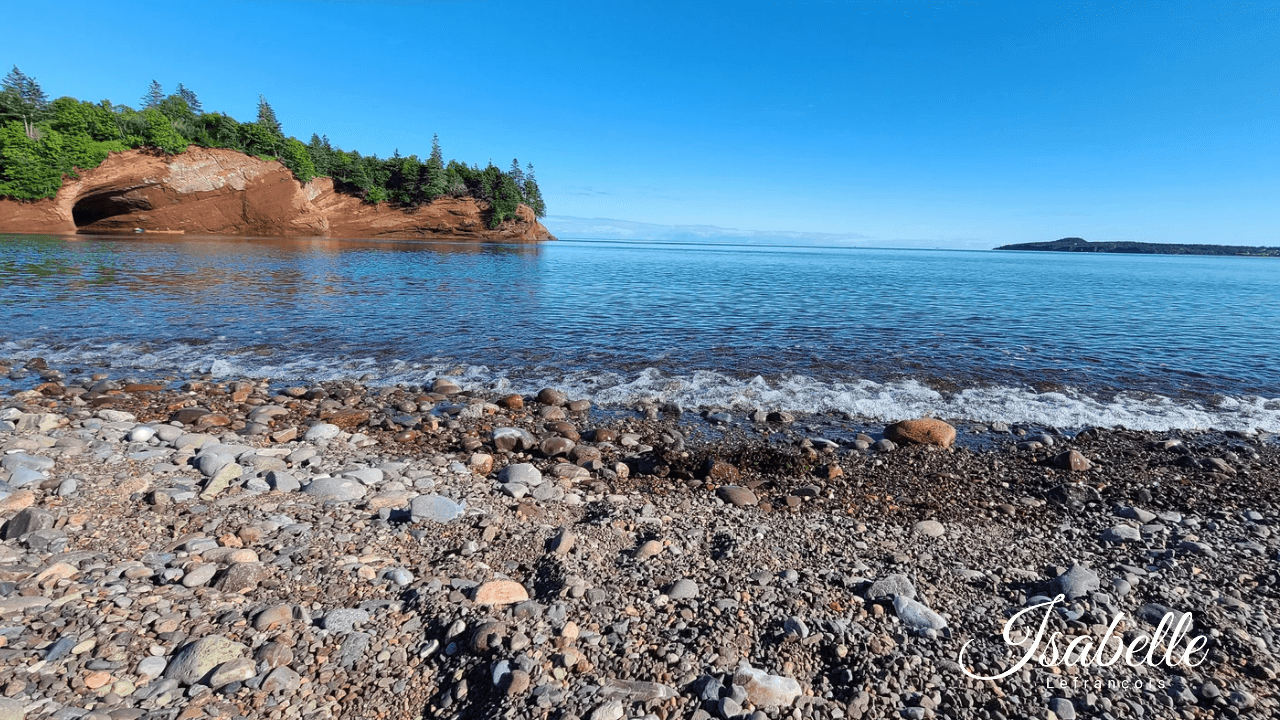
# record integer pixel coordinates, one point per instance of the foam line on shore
(1069, 408)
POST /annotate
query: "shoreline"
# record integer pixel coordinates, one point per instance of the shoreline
(538, 557)
(845, 407)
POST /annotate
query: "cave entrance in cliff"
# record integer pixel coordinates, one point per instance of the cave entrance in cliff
(95, 210)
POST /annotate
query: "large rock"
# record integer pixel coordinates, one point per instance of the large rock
(508, 439)
(29, 520)
(1072, 460)
(195, 662)
(1076, 582)
(435, 508)
(736, 495)
(925, 431)
(522, 473)
(916, 615)
(892, 586)
(765, 690)
(501, 592)
(339, 489)
(224, 192)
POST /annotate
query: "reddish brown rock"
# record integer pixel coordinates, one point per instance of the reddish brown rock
(501, 592)
(285, 435)
(719, 470)
(223, 192)
(348, 419)
(189, 416)
(925, 431)
(1072, 460)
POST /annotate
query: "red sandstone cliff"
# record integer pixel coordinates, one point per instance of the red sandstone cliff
(209, 191)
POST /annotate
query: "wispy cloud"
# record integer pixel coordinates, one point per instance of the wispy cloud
(612, 229)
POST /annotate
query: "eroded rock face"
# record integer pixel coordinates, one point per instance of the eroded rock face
(223, 192)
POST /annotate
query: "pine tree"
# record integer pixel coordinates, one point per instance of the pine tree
(192, 101)
(267, 116)
(517, 174)
(22, 98)
(437, 155)
(437, 183)
(154, 96)
(532, 195)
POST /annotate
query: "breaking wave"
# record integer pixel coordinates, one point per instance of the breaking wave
(859, 398)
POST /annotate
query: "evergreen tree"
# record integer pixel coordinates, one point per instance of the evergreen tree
(437, 155)
(267, 116)
(21, 98)
(517, 174)
(264, 137)
(58, 139)
(154, 96)
(192, 101)
(436, 182)
(532, 195)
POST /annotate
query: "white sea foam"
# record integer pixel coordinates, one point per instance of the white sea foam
(796, 393)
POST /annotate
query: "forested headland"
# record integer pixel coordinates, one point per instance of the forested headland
(42, 142)
(1079, 245)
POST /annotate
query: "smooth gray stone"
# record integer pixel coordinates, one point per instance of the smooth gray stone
(1076, 582)
(341, 489)
(507, 439)
(210, 463)
(323, 431)
(916, 615)
(1120, 534)
(22, 459)
(892, 586)
(344, 620)
(195, 662)
(368, 476)
(283, 481)
(683, 589)
(522, 473)
(435, 508)
(23, 476)
(353, 648)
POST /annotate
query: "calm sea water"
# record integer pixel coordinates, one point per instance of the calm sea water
(1058, 339)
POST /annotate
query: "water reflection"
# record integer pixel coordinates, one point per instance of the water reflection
(950, 319)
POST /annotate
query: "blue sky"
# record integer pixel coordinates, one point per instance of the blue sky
(961, 124)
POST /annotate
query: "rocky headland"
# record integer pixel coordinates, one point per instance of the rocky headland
(211, 191)
(206, 548)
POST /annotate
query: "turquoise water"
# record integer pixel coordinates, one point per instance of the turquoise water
(1062, 339)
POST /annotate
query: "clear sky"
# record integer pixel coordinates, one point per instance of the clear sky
(964, 124)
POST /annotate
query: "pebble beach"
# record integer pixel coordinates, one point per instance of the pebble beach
(251, 549)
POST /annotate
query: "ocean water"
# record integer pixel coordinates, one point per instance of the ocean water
(1065, 340)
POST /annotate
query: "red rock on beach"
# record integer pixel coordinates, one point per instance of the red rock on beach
(924, 431)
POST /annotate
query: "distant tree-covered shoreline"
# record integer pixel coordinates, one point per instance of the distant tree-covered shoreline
(1079, 245)
(43, 141)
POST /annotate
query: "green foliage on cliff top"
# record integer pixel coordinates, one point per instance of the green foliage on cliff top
(42, 142)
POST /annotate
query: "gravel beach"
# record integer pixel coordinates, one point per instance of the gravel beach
(207, 548)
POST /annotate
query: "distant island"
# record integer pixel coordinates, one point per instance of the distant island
(1141, 248)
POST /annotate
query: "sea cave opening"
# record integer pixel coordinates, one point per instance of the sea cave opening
(94, 210)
